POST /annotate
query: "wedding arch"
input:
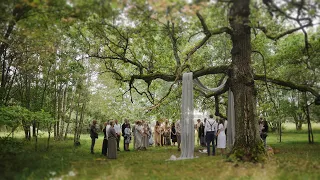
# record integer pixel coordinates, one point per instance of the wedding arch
(187, 108)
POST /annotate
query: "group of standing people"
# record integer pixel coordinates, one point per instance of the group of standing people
(165, 134)
(111, 139)
(211, 131)
(142, 135)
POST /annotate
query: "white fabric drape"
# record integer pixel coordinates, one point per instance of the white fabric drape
(231, 121)
(204, 88)
(187, 124)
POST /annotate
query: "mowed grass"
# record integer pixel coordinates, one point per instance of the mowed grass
(294, 159)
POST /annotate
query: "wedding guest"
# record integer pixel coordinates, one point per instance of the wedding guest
(112, 142)
(145, 136)
(93, 135)
(201, 135)
(173, 134)
(221, 136)
(225, 126)
(197, 130)
(123, 127)
(162, 129)
(264, 131)
(167, 133)
(150, 137)
(157, 134)
(204, 123)
(209, 130)
(117, 128)
(139, 135)
(105, 139)
(134, 134)
(127, 136)
(178, 133)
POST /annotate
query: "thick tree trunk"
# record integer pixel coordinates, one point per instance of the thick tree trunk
(248, 145)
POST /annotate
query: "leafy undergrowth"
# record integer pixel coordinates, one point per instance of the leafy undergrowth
(293, 159)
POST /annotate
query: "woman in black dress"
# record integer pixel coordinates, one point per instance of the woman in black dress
(201, 135)
(173, 134)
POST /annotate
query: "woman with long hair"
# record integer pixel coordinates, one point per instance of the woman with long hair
(112, 142)
(157, 134)
(221, 144)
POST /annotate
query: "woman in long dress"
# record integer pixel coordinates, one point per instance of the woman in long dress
(157, 134)
(139, 134)
(167, 133)
(112, 142)
(127, 137)
(145, 136)
(221, 144)
(105, 139)
(201, 135)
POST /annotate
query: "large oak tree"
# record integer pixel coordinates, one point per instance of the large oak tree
(155, 41)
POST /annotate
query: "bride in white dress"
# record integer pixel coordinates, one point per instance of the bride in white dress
(221, 136)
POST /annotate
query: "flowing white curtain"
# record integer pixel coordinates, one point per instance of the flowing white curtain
(187, 124)
(204, 88)
(231, 121)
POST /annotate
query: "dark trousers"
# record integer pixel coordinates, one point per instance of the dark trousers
(210, 137)
(93, 142)
(105, 147)
(118, 141)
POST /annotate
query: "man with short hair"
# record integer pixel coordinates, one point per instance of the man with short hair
(123, 127)
(93, 135)
(178, 133)
(117, 128)
(210, 129)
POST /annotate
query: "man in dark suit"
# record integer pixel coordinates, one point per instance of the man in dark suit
(93, 135)
(123, 127)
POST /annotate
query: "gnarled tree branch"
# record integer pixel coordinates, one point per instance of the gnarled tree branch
(208, 34)
(289, 84)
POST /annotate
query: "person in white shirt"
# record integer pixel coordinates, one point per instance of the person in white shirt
(210, 130)
(117, 128)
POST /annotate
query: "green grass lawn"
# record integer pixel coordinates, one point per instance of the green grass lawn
(294, 159)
